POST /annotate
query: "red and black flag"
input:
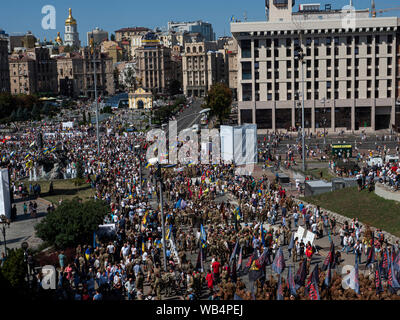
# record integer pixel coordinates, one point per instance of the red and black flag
(312, 285)
(378, 280)
(330, 259)
(370, 255)
(385, 264)
(279, 262)
(301, 275)
(328, 278)
(290, 282)
(239, 264)
(393, 283)
(279, 292)
(256, 270)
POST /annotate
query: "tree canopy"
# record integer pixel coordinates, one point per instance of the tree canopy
(72, 223)
(219, 100)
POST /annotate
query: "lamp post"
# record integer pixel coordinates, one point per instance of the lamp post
(158, 177)
(137, 148)
(24, 246)
(4, 221)
(93, 51)
(300, 55)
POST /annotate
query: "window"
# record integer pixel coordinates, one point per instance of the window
(369, 50)
(328, 41)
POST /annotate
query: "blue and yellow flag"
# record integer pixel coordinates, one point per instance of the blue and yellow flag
(203, 237)
(148, 165)
(168, 235)
(238, 213)
(143, 247)
(27, 155)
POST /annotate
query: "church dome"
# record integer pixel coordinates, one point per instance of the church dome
(70, 20)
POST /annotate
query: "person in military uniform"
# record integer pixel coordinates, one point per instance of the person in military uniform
(158, 286)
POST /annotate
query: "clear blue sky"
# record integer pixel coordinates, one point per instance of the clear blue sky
(20, 16)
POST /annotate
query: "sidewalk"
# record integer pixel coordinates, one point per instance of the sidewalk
(23, 228)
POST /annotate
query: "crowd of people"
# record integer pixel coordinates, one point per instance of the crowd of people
(214, 225)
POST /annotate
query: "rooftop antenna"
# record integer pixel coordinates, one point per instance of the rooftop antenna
(245, 16)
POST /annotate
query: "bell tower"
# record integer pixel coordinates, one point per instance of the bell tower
(71, 36)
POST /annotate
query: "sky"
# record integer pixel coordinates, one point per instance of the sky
(20, 16)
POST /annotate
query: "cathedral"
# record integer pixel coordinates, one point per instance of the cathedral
(71, 36)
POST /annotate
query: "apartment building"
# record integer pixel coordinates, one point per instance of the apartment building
(154, 64)
(33, 71)
(203, 65)
(4, 68)
(351, 76)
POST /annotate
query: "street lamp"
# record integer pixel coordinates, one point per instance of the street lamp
(4, 221)
(24, 246)
(137, 149)
(158, 177)
(300, 55)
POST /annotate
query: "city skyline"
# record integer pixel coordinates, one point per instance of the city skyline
(129, 14)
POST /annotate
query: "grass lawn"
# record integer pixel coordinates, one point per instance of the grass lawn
(367, 207)
(326, 175)
(64, 189)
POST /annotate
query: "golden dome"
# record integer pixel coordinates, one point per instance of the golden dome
(58, 39)
(70, 20)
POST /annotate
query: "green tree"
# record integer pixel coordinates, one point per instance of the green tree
(174, 88)
(130, 78)
(72, 223)
(219, 100)
(84, 117)
(112, 37)
(14, 269)
(79, 169)
(36, 112)
(89, 117)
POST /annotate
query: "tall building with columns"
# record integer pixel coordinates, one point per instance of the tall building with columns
(351, 75)
(71, 36)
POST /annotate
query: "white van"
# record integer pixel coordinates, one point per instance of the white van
(391, 159)
(375, 161)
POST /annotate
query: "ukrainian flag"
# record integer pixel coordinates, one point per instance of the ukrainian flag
(27, 155)
(143, 248)
(144, 221)
(238, 213)
(46, 151)
(53, 149)
(168, 235)
(148, 165)
(203, 236)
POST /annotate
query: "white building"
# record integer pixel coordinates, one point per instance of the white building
(350, 74)
(99, 35)
(71, 36)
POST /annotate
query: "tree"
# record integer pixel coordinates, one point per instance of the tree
(112, 37)
(84, 117)
(89, 117)
(36, 112)
(219, 100)
(79, 169)
(14, 269)
(174, 88)
(72, 223)
(130, 78)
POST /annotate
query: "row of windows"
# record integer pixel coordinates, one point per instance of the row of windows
(379, 39)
